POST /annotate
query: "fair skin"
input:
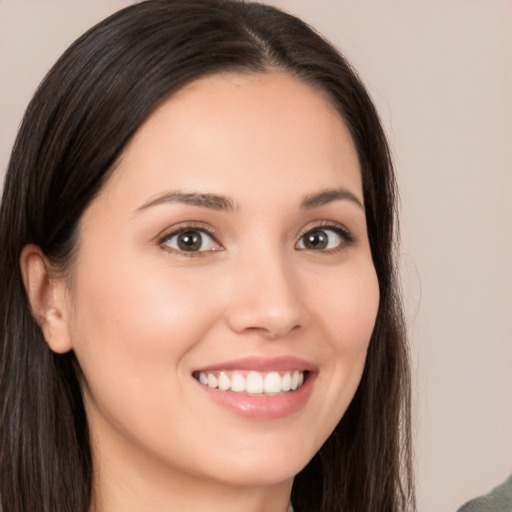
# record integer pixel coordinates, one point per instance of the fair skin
(269, 274)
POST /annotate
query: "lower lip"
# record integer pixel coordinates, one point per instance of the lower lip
(262, 407)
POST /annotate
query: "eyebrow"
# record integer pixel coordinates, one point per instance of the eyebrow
(210, 201)
(219, 202)
(328, 196)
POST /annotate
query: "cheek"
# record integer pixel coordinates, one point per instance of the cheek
(133, 331)
(348, 308)
(347, 311)
(356, 316)
(120, 305)
(132, 325)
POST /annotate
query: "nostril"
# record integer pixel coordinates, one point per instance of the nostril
(273, 331)
(266, 304)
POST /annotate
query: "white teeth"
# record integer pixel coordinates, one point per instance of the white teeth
(295, 381)
(287, 382)
(237, 383)
(253, 383)
(272, 383)
(224, 382)
(213, 382)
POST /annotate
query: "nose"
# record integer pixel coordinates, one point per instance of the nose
(265, 298)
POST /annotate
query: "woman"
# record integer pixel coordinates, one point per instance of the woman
(199, 302)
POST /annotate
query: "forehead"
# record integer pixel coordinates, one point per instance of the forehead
(240, 135)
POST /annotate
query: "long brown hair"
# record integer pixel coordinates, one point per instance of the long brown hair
(82, 116)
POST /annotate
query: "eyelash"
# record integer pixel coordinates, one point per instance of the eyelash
(347, 237)
(194, 227)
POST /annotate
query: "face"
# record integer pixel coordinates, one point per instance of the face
(224, 294)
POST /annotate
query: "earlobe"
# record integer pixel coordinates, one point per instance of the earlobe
(47, 297)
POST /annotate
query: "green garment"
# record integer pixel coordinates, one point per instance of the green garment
(498, 500)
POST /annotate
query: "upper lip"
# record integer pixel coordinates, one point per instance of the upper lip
(261, 364)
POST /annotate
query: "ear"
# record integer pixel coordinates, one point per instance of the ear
(47, 297)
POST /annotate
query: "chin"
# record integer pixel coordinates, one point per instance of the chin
(262, 467)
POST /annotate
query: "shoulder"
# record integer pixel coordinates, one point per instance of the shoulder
(498, 500)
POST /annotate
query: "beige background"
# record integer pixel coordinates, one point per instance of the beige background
(441, 75)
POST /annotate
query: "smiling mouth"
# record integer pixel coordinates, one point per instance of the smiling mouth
(253, 383)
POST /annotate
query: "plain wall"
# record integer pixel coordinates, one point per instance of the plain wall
(440, 73)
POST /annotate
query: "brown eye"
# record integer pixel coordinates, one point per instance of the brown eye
(191, 240)
(322, 239)
(316, 240)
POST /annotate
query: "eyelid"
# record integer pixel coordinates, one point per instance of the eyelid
(326, 224)
(187, 226)
(340, 229)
